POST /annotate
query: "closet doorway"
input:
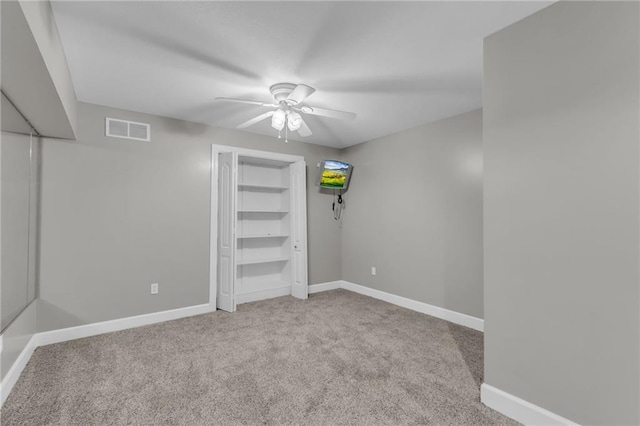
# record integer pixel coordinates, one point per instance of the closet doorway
(258, 226)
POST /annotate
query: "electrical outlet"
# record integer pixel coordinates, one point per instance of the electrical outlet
(154, 288)
(373, 270)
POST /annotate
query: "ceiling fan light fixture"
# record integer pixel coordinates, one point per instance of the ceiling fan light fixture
(294, 121)
(278, 119)
(289, 106)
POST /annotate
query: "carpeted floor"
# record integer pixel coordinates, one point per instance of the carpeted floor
(338, 358)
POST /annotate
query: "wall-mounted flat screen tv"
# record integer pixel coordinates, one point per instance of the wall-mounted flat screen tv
(335, 174)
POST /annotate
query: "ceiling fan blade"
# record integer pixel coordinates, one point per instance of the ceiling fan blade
(255, 120)
(331, 113)
(246, 101)
(304, 130)
(301, 92)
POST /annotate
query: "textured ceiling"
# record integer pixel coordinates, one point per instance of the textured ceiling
(395, 64)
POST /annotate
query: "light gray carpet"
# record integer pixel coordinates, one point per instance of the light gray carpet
(338, 358)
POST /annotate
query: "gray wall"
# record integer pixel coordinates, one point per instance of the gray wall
(16, 336)
(19, 193)
(35, 76)
(118, 215)
(414, 211)
(44, 29)
(10, 118)
(15, 224)
(561, 152)
(18, 238)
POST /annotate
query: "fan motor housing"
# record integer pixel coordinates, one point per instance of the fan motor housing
(281, 91)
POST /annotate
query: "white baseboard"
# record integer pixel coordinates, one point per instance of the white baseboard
(519, 409)
(254, 296)
(14, 372)
(78, 332)
(331, 285)
(72, 333)
(414, 305)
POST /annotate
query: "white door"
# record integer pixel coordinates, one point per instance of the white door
(298, 187)
(226, 230)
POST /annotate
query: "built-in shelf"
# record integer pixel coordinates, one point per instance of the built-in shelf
(264, 211)
(270, 284)
(262, 236)
(252, 187)
(268, 289)
(262, 205)
(258, 261)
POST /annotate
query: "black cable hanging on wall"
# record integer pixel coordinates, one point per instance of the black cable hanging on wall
(337, 205)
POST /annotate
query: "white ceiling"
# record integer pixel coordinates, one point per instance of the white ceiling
(395, 64)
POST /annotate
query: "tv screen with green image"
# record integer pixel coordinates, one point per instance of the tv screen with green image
(335, 174)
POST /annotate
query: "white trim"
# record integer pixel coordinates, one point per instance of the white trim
(16, 369)
(1, 342)
(519, 409)
(331, 285)
(81, 331)
(287, 158)
(414, 305)
(213, 231)
(213, 224)
(78, 332)
(254, 296)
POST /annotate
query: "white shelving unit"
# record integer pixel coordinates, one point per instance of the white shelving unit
(261, 226)
(267, 188)
(263, 211)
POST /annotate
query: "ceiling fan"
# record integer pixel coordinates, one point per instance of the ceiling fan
(289, 109)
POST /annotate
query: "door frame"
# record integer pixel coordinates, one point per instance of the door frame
(213, 223)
